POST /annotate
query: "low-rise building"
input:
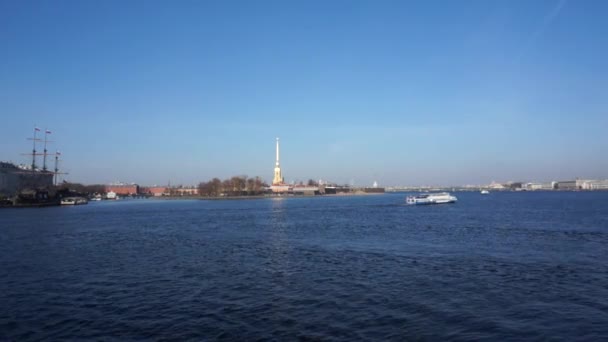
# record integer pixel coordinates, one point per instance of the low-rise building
(538, 186)
(566, 185)
(123, 189)
(496, 186)
(184, 191)
(305, 190)
(157, 191)
(593, 184)
(279, 188)
(514, 185)
(334, 189)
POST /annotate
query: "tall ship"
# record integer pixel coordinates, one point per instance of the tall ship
(432, 198)
(30, 186)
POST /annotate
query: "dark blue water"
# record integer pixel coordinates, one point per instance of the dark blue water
(508, 266)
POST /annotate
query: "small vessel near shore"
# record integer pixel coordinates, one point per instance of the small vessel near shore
(68, 201)
(485, 192)
(74, 201)
(431, 198)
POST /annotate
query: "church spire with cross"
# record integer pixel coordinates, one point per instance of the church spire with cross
(278, 178)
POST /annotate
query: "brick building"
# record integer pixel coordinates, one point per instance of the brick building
(123, 189)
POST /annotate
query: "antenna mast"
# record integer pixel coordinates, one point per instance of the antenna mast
(36, 129)
(57, 160)
(57, 154)
(46, 133)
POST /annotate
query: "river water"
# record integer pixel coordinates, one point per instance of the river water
(507, 266)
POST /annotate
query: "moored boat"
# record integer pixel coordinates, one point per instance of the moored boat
(431, 198)
(68, 201)
(81, 200)
(74, 201)
(111, 195)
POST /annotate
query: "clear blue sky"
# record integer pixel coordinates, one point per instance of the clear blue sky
(402, 92)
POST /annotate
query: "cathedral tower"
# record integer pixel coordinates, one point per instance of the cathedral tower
(278, 179)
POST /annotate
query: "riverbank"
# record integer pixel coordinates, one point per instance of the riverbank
(215, 198)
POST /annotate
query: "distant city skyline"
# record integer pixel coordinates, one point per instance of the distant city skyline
(402, 93)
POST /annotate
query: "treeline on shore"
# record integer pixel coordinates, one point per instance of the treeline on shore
(234, 186)
(237, 186)
(215, 187)
(81, 188)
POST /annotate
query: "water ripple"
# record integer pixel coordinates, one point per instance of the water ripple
(311, 269)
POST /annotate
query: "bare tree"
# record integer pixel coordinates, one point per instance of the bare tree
(216, 187)
(238, 184)
(227, 187)
(205, 189)
(234, 186)
(250, 186)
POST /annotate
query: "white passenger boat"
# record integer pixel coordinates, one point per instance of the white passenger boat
(68, 201)
(111, 195)
(485, 192)
(432, 198)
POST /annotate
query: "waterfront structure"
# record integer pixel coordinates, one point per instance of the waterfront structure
(538, 186)
(184, 191)
(514, 186)
(336, 189)
(374, 190)
(157, 191)
(566, 185)
(579, 184)
(281, 188)
(496, 186)
(123, 189)
(14, 179)
(592, 184)
(307, 190)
